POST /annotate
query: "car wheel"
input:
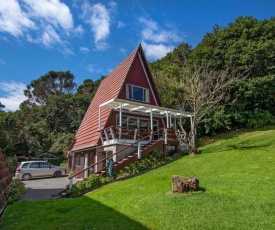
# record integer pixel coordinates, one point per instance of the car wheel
(57, 174)
(26, 176)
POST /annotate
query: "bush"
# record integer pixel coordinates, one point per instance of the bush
(88, 184)
(14, 191)
(148, 162)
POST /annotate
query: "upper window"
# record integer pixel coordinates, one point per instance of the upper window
(137, 93)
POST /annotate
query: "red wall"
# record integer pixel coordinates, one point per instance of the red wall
(137, 77)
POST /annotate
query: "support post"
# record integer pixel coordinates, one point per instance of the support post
(120, 120)
(165, 136)
(95, 167)
(86, 165)
(151, 120)
(167, 120)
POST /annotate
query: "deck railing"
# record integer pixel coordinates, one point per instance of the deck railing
(117, 133)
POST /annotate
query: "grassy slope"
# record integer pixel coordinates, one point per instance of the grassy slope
(237, 174)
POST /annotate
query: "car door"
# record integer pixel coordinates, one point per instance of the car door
(46, 169)
(34, 169)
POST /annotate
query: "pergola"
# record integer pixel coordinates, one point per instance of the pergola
(142, 108)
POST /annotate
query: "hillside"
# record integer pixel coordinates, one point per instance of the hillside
(237, 174)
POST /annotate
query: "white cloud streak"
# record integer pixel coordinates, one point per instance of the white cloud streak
(13, 96)
(156, 41)
(98, 17)
(45, 22)
(52, 11)
(13, 20)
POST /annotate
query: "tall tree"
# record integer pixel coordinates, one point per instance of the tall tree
(204, 89)
(51, 84)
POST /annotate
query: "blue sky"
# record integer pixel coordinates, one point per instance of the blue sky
(90, 38)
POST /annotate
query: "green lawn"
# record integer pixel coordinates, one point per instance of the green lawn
(237, 174)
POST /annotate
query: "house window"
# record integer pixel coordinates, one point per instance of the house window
(77, 160)
(137, 93)
(135, 122)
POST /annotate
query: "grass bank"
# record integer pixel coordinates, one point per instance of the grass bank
(237, 174)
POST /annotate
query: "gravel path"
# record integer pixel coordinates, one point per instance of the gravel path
(44, 189)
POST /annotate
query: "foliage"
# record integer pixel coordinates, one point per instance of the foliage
(246, 46)
(150, 161)
(236, 173)
(1, 106)
(244, 43)
(88, 184)
(50, 127)
(51, 84)
(14, 191)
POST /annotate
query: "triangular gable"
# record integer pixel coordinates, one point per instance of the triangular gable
(140, 75)
(111, 87)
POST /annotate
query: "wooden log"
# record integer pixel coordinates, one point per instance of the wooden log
(184, 185)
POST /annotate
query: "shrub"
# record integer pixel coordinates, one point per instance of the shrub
(148, 162)
(88, 184)
(14, 191)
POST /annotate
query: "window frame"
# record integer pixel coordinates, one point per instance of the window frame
(130, 93)
(77, 160)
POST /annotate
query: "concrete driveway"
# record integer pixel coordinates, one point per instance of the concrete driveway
(44, 189)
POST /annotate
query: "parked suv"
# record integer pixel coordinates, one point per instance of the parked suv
(30, 169)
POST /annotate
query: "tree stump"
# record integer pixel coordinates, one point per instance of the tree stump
(184, 185)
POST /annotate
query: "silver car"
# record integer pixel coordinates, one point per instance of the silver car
(31, 169)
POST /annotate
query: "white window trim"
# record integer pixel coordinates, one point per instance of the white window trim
(146, 90)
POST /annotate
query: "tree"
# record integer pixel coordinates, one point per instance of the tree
(1, 106)
(51, 84)
(204, 89)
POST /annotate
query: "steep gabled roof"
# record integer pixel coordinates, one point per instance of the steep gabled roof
(87, 134)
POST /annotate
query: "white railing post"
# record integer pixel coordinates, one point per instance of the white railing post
(135, 135)
(112, 133)
(139, 148)
(101, 138)
(165, 135)
(106, 135)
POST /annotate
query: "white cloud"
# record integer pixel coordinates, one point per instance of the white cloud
(14, 95)
(45, 22)
(79, 30)
(98, 17)
(122, 50)
(90, 68)
(52, 11)
(156, 51)
(156, 41)
(12, 19)
(2, 62)
(100, 22)
(84, 49)
(120, 24)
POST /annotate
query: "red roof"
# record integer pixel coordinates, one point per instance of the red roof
(87, 134)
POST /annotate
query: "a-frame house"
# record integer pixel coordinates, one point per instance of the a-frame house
(124, 121)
